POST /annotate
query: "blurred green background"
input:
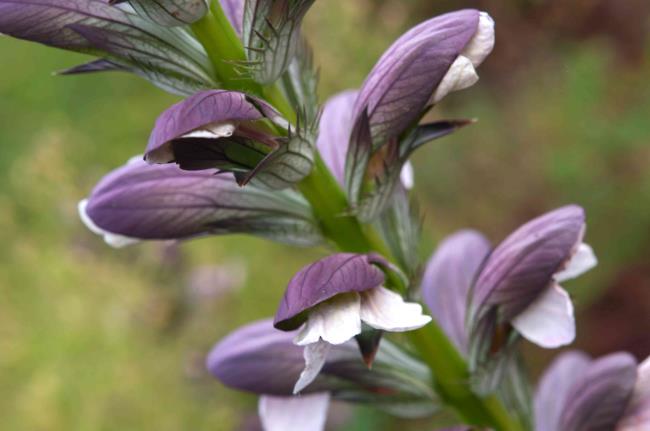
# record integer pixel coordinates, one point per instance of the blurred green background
(93, 338)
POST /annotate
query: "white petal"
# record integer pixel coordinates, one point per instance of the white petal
(112, 239)
(582, 261)
(213, 131)
(135, 159)
(483, 41)
(297, 413)
(460, 75)
(335, 321)
(548, 322)
(637, 415)
(384, 309)
(407, 176)
(315, 355)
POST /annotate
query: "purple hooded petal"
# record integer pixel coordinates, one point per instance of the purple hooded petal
(164, 202)
(404, 79)
(330, 276)
(448, 278)
(523, 265)
(200, 110)
(334, 132)
(597, 400)
(234, 10)
(554, 387)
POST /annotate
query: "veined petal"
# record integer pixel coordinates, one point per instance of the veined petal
(318, 282)
(582, 261)
(461, 75)
(315, 355)
(448, 278)
(482, 43)
(257, 358)
(112, 239)
(386, 310)
(637, 414)
(548, 321)
(598, 399)
(334, 132)
(296, 413)
(523, 265)
(554, 387)
(404, 79)
(162, 202)
(260, 359)
(335, 321)
(200, 112)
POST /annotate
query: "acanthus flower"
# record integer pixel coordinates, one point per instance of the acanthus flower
(471, 289)
(425, 64)
(331, 298)
(429, 61)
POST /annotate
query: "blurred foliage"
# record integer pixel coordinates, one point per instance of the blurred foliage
(98, 339)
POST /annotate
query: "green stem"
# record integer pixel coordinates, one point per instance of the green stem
(330, 206)
(451, 381)
(219, 48)
(274, 96)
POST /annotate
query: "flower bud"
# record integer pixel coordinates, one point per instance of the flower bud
(431, 60)
(141, 201)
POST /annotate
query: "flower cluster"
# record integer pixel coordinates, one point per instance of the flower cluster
(249, 150)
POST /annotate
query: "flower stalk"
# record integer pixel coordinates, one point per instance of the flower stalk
(331, 209)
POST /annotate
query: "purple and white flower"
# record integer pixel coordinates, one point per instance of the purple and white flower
(214, 129)
(331, 298)
(517, 282)
(425, 64)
